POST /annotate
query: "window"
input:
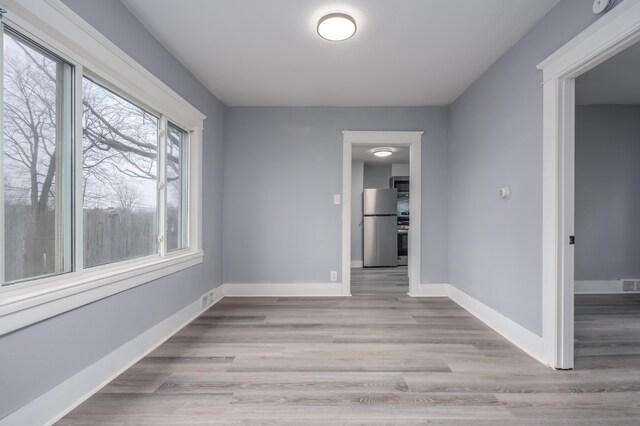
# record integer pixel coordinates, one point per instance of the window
(36, 161)
(101, 165)
(177, 156)
(120, 177)
(89, 180)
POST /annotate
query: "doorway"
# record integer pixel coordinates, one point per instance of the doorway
(362, 143)
(380, 219)
(610, 36)
(607, 201)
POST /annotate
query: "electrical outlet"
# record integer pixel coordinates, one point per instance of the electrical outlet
(334, 276)
(336, 199)
(205, 301)
(208, 299)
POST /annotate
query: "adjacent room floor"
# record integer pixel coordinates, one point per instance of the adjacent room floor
(607, 331)
(379, 357)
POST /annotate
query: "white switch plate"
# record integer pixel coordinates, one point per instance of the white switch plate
(336, 199)
(334, 276)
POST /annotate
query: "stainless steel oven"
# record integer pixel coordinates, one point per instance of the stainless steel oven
(401, 184)
(403, 244)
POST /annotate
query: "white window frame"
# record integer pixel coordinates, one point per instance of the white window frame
(59, 29)
(64, 174)
(184, 183)
(161, 164)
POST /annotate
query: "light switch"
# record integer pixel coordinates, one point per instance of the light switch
(336, 199)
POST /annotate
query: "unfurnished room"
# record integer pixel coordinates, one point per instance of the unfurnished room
(286, 212)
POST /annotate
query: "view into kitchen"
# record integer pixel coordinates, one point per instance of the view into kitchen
(379, 220)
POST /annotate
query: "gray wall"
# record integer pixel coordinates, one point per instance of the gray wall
(357, 176)
(607, 223)
(400, 169)
(376, 175)
(36, 358)
(495, 254)
(282, 166)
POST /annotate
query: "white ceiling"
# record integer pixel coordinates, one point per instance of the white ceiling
(365, 153)
(405, 53)
(615, 81)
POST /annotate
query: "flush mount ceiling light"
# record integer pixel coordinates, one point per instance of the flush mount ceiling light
(382, 152)
(336, 26)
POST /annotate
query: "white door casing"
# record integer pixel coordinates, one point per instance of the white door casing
(608, 36)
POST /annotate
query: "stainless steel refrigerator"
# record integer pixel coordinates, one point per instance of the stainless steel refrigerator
(380, 227)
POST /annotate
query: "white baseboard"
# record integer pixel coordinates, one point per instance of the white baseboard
(598, 287)
(56, 403)
(431, 290)
(523, 338)
(357, 263)
(283, 290)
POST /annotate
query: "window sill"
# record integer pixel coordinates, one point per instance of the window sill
(29, 303)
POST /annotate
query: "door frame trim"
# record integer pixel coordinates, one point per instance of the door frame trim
(611, 34)
(412, 139)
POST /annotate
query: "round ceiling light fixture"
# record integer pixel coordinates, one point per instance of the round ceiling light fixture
(336, 26)
(382, 152)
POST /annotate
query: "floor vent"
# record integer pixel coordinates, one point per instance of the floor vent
(629, 285)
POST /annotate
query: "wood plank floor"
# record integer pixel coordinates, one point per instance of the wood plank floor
(607, 330)
(377, 358)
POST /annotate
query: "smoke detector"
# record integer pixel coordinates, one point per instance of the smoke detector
(600, 6)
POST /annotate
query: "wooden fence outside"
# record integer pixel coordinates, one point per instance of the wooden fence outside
(109, 235)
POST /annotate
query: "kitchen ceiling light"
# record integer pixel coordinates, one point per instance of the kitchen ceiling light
(382, 152)
(336, 26)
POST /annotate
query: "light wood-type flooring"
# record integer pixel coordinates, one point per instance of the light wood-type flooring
(377, 358)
